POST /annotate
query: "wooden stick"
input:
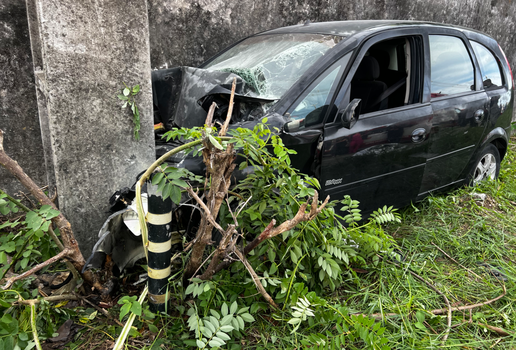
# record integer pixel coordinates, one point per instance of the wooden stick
(224, 128)
(256, 279)
(65, 228)
(431, 286)
(52, 298)
(36, 268)
(455, 261)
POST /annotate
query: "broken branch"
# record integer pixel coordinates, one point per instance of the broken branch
(65, 228)
(455, 261)
(224, 128)
(36, 268)
(256, 279)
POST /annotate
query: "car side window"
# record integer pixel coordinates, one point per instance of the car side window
(451, 66)
(491, 75)
(312, 108)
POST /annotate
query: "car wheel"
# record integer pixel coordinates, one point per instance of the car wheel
(487, 165)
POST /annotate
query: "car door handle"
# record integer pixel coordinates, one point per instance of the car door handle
(479, 115)
(418, 135)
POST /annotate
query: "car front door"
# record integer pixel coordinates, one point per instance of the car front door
(381, 159)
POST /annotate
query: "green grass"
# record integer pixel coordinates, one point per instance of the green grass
(475, 232)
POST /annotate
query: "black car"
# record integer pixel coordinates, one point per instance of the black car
(385, 111)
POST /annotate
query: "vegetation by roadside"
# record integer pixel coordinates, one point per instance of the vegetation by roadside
(449, 283)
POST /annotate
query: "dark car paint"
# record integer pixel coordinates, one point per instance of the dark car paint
(378, 161)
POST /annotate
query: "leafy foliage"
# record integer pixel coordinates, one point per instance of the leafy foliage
(216, 329)
(128, 97)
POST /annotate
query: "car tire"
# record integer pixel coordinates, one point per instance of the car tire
(486, 166)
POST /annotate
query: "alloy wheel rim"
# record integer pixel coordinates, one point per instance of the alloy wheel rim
(486, 169)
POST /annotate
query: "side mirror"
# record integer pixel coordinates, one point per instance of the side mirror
(294, 125)
(349, 115)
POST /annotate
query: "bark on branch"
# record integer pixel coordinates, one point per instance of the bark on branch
(65, 228)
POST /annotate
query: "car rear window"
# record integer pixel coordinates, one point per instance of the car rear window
(491, 75)
(451, 67)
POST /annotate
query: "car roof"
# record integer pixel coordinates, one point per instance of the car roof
(349, 28)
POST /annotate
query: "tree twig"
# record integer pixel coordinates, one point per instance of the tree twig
(498, 330)
(455, 261)
(50, 299)
(224, 128)
(104, 312)
(36, 268)
(65, 228)
(256, 279)
(431, 286)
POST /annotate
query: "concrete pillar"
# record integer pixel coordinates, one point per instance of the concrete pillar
(18, 108)
(83, 52)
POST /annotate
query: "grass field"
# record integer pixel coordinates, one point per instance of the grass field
(461, 243)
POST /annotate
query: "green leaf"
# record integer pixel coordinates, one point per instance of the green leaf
(122, 97)
(124, 310)
(153, 328)
(226, 328)
(209, 325)
(3, 258)
(136, 89)
(215, 342)
(200, 343)
(214, 142)
(207, 332)
(224, 310)
(156, 179)
(136, 308)
(175, 194)
(226, 320)
(234, 307)
(247, 317)
(223, 336)
(180, 183)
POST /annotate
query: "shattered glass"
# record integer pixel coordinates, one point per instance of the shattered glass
(271, 64)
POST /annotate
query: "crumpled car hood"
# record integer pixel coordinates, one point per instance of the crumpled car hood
(183, 95)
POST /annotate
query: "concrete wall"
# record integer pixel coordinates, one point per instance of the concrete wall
(186, 32)
(18, 107)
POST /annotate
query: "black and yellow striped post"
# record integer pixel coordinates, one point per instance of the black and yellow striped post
(159, 220)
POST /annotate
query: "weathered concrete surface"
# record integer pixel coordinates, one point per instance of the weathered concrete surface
(187, 32)
(84, 51)
(18, 108)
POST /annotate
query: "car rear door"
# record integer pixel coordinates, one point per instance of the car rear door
(459, 105)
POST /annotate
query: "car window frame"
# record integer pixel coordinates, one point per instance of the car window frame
(360, 52)
(336, 83)
(445, 31)
(498, 62)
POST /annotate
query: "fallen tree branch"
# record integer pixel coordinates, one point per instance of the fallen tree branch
(472, 306)
(36, 268)
(379, 316)
(431, 286)
(498, 330)
(50, 299)
(256, 279)
(455, 261)
(65, 228)
(271, 231)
